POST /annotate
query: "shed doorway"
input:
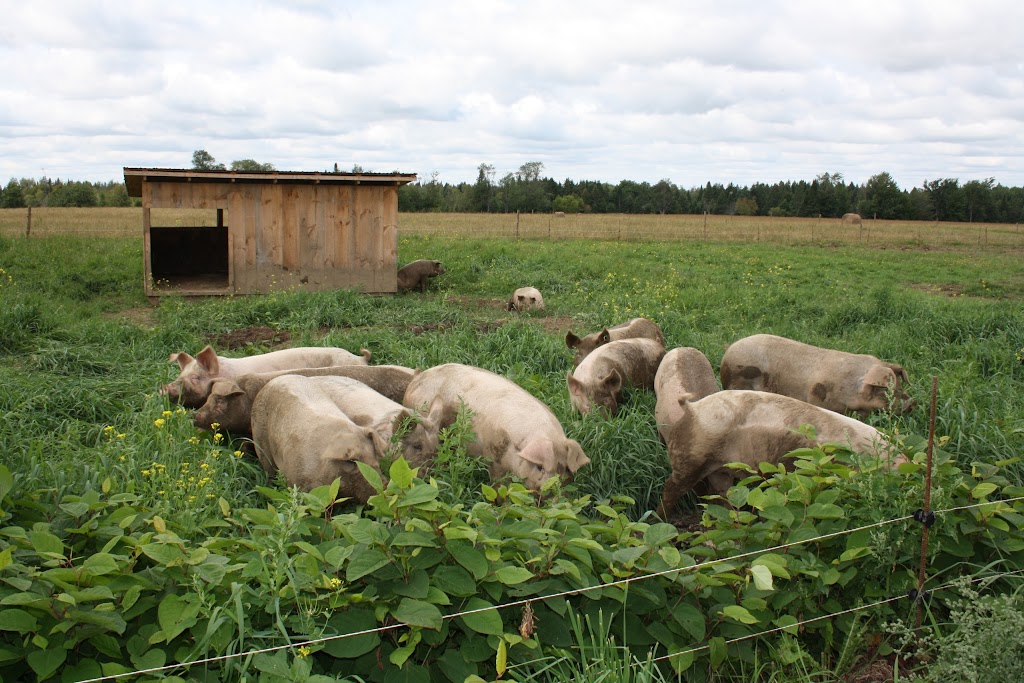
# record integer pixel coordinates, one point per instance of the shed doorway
(190, 251)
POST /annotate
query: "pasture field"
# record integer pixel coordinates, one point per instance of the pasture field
(102, 467)
(127, 222)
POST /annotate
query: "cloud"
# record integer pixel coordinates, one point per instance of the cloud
(599, 91)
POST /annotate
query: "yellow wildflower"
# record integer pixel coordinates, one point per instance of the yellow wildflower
(167, 413)
(217, 438)
(304, 651)
(194, 440)
(238, 454)
(121, 436)
(159, 422)
(335, 582)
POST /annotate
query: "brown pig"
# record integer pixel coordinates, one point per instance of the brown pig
(682, 372)
(525, 299)
(414, 275)
(515, 431)
(601, 377)
(835, 380)
(634, 329)
(749, 427)
(192, 386)
(300, 430)
(230, 402)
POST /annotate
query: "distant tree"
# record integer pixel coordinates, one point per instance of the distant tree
(204, 161)
(250, 165)
(568, 203)
(13, 197)
(356, 168)
(483, 189)
(947, 199)
(978, 194)
(746, 206)
(883, 198)
(73, 194)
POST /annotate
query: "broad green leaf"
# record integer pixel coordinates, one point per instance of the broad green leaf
(417, 495)
(660, 533)
(778, 513)
(854, 553)
(46, 662)
(777, 564)
(680, 662)
(510, 576)
(418, 613)
(501, 659)
(762, 577)
(17, 620)
(353, 620)
(176, 614)
(401, 474)
(371, 475)
(45, 542)
(470, 558)
(691, 619)
(100, 564)
(5, 557)
(717, 650)
(825, 511)
(983, 489)
(740, 614)
(487, 622)
(454, 580)
(364, 561)
(163, 553)
(75, 509)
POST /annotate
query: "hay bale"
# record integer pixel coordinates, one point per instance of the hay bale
(851, 219)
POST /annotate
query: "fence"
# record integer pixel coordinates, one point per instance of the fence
(925, 516)
(127, 222)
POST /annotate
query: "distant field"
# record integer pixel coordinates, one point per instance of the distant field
(126, 222)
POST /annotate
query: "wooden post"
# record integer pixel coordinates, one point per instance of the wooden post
(28, 223)
(517, 225)
(705, 226)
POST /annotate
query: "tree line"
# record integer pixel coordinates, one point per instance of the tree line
(827, 195)
(528, 190)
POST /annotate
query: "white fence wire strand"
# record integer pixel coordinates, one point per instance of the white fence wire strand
(586, 589)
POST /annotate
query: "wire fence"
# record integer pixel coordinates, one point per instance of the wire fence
(612, 584)
(127, 222)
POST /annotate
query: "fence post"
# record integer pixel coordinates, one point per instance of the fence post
(28, 223)
(517, 225)
(925, 515)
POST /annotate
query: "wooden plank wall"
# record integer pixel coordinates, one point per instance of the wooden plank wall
(313, 236)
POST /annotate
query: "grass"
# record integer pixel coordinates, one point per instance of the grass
(82, 352)
(127, 222)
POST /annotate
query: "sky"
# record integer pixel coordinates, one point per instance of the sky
(722, 92)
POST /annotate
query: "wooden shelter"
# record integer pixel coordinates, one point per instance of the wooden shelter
(272, 230)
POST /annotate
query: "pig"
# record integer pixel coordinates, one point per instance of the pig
(635, 328)
(414, 275)
(749, 427)
(836, 380)
(526, 299)
(192, 387)
(601, 377)
(230, 402)
(515, 431)
(683, 371)
(300, 430)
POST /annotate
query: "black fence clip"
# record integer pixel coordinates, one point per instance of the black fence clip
(915, 596)
(928, 519)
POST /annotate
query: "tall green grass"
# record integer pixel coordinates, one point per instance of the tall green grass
(80, 348)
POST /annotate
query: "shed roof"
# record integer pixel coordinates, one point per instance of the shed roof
(133, 177)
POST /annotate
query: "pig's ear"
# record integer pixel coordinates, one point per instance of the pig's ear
(574, 385)
(575, 458)
(540, 452)
(380, 446)
(898, 369)
(571, 340)
(366, 354)
(879, 376)
(510, 306)
(436, 414)
(182, 359)
(226, 388)
(613, 380)
(208, 360)
(605, 337)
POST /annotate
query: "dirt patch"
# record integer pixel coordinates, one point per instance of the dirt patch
(141, 316)
(250, 336)
(477, 303)
(950, 290)
(441, 327)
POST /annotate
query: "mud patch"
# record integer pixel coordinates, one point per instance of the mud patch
(250, 336)
(951, 290)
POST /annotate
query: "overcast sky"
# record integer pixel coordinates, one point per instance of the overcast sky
(595, 90)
